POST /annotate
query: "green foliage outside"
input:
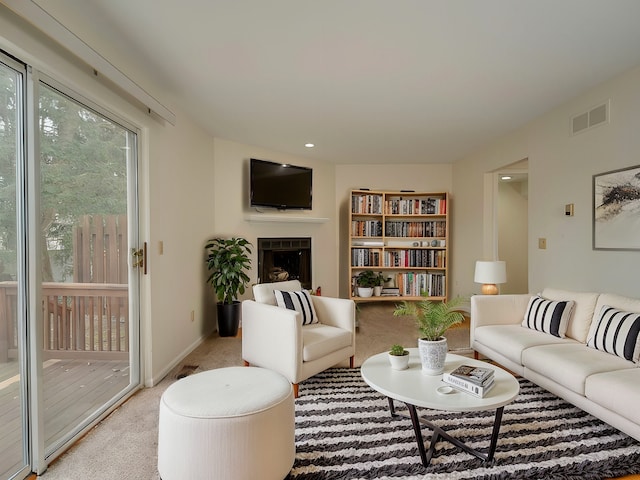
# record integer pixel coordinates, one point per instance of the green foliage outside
(83, 171)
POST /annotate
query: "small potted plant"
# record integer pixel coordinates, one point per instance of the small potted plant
(378, 281)
(228, 261)
(366, 280)
(433, 319)
(399, 357)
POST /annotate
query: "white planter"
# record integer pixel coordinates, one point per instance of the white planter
(399, 362)
(377, 291)
(365, 291)
(432, 355)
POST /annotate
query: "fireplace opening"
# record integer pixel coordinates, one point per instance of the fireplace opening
(282, 259)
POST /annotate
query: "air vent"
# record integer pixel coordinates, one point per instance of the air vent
(598, 115)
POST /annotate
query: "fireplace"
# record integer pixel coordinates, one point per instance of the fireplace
(281, 259)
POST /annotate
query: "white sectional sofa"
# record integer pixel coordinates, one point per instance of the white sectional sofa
(583, 362)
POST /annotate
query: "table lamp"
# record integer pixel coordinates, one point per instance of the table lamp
(489, 274)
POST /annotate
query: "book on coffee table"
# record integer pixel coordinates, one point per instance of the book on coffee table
(472, 374)
(468, 387)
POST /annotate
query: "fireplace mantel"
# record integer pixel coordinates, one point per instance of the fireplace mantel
(284, 218)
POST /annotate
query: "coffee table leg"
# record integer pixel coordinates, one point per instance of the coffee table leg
(415, 420)
(494, 433)
(438, 433)
(392, 407)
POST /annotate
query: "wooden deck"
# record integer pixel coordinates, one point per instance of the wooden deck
(73, 389)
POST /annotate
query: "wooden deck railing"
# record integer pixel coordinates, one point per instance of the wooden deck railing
(81, 320)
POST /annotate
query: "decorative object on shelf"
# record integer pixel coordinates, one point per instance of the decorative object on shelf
(433, 319)
(366, 280)
(228, 260)
(616, 198)
(398, 357)
(379, 281)
(489, 274)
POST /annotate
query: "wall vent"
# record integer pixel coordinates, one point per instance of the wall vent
(597, 115)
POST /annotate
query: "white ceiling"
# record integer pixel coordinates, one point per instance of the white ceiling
(367, 81)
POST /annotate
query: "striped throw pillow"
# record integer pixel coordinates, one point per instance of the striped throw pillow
(617, 332)
(299, 301)
(548, 316)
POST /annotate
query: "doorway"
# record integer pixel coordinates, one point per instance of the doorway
(511, 219)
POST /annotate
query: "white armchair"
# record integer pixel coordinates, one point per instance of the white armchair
(274, 337)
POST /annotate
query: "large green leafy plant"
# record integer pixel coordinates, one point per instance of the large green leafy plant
(433, 318)
(228, 260)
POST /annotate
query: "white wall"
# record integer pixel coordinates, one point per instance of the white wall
(230, 187)
(561, 167)
(181, 210)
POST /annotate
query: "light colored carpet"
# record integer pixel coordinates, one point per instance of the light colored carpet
(124, 446)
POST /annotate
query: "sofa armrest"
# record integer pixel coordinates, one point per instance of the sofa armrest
(497, 310)
(272, 338)
(337, 312)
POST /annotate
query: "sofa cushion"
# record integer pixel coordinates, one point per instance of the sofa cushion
(511, 340)
(299, 301)
(548, 316)
(624, 383)
(616, 332)
(320, 340)
(582, 315)
(570, 364)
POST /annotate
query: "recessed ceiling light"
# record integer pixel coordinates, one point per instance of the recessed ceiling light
(309, 145)
(505, 177)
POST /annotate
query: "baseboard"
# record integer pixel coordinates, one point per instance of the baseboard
(152, 382)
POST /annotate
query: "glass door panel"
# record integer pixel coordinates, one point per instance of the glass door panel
(13, 425)
(85, 160)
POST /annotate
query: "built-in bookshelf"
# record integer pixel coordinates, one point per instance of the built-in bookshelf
(403, 235)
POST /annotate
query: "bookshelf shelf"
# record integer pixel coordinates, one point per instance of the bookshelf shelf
(403, 235)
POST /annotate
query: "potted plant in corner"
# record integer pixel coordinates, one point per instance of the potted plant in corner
(228, 261)
(433, 319)
(399, 357)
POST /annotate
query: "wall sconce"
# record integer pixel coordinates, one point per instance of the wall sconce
(490, 274)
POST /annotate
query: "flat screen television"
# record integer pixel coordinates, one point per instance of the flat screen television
(281, 186)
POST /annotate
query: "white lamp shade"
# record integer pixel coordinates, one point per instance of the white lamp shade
(490, 272)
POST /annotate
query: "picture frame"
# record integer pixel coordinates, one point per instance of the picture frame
(616, 209)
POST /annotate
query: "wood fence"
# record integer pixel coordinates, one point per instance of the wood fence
(100, 252)
(89, 317)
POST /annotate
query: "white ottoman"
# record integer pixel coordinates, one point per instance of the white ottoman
(232, 423)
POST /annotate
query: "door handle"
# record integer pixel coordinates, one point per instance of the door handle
(140, 257)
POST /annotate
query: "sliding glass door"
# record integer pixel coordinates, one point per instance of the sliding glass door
(13, 398)
(69, 317)
(85, 163)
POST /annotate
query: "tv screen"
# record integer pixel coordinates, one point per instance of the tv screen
(280, 186)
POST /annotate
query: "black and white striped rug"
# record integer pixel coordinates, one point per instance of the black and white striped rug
(344, 431)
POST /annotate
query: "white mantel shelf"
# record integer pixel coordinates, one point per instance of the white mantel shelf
(284, 218)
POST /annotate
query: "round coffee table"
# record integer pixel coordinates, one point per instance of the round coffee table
(415, 389)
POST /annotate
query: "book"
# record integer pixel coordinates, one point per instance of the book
(468, 387)
(473, 374)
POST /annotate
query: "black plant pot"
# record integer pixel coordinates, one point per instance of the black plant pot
(228, 318)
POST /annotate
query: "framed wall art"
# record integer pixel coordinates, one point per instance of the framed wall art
(616, 209)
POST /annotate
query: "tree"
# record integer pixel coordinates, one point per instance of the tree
(83, 167)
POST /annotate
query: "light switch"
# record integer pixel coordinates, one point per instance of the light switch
(542, 243)
(568, 209)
